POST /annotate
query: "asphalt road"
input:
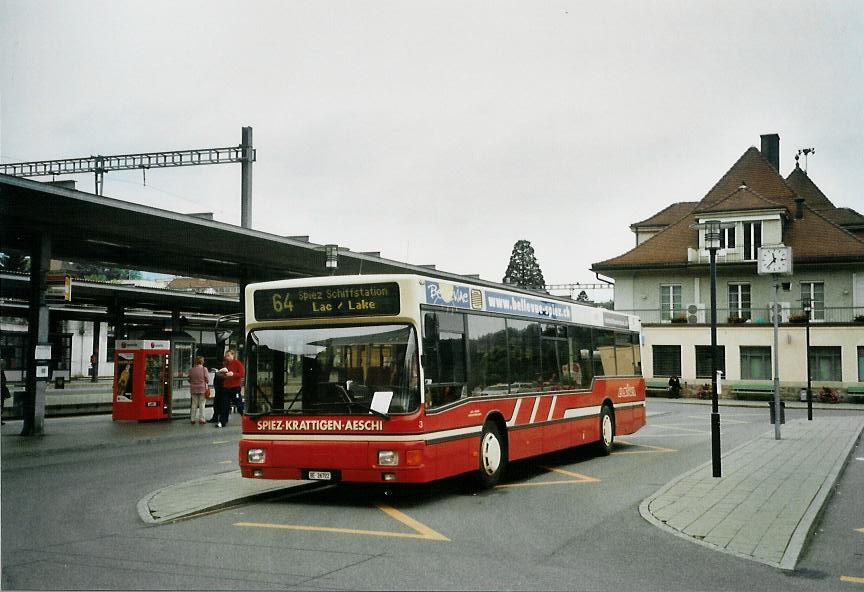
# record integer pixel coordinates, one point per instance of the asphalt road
(569, 521)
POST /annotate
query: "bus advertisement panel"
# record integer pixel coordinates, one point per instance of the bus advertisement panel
(402, 378)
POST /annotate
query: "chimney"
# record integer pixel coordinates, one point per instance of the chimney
(771, 149)
(799, 208)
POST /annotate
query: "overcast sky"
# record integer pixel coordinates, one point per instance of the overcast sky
(439, 132)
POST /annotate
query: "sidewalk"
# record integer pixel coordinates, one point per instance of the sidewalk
(769, 496)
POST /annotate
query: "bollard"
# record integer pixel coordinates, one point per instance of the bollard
(782, 412)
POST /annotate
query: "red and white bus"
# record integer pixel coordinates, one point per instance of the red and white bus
(409, 379)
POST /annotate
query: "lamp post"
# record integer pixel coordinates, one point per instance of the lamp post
(807, 308)
(712, 230)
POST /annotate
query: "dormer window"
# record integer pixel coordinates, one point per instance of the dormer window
(727, 238)
(752, 240)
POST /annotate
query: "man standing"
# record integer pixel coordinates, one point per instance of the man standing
(233, 373)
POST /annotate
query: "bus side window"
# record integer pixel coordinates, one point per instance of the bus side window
(431, 338)
(444, 354)
(604, 352)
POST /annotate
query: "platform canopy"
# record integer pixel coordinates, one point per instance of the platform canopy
(87, 227)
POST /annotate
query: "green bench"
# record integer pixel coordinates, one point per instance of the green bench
(855, 394)
(656, 385)
(753, 391)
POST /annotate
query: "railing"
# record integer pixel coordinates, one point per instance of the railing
(751, 316)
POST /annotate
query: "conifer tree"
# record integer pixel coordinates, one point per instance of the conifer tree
(523, 270)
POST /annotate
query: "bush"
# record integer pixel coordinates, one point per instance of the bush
(828, 395)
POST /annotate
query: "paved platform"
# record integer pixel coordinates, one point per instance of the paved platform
(769, 495)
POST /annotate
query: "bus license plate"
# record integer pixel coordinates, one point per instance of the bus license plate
(320, 475)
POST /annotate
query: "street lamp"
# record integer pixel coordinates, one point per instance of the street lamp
(712, 230)
(807, 309)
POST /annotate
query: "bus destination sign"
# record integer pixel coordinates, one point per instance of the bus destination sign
(358, 300)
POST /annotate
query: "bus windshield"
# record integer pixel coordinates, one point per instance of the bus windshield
(333, 370)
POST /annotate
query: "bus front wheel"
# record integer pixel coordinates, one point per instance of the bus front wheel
(493, 456)
(607, 431)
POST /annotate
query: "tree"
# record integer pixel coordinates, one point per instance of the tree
(523, 270)
(582, 297)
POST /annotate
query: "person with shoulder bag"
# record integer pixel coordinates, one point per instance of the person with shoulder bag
(199, 390)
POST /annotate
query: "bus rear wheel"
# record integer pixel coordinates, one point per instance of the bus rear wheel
(607, 431)
(493, 456)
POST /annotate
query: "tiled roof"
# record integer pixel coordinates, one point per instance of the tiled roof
(187, 283)
(741, 199)
(754, 171)
(815, 237)
(844, 216)
(803, 186)
(668, 215)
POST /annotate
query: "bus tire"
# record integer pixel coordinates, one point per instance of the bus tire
(607, 431)
(493, 456)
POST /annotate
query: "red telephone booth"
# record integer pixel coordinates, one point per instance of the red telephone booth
(142, 386)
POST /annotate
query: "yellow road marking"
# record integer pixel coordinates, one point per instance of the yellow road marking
(861, 530)
(220, 442)
(421, 530)
(408, 521)
(654, 449)
(226, 462)
(582, 478)
(852, 580)
(579, 478)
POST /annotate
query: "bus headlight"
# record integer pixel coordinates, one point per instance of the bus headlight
(255, 456)
(388, 458)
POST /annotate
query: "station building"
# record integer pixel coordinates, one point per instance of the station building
(665, 280)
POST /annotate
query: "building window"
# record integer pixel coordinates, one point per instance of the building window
(13, 349)
(815, 293)
(825, 363)
(727, 238)
(670, 301)
(860, 363)
(755, 363)
(752, 240)
(703, 360)
(667, 360)
(739, 300)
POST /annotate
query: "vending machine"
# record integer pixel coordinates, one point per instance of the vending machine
(142, 385)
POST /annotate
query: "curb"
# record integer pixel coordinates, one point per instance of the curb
(805, 525)
(274, 490)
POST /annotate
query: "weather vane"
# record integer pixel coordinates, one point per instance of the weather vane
(806, 152)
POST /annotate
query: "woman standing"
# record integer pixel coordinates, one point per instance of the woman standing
(198, 387)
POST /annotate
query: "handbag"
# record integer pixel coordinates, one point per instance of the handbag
(207, 393)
